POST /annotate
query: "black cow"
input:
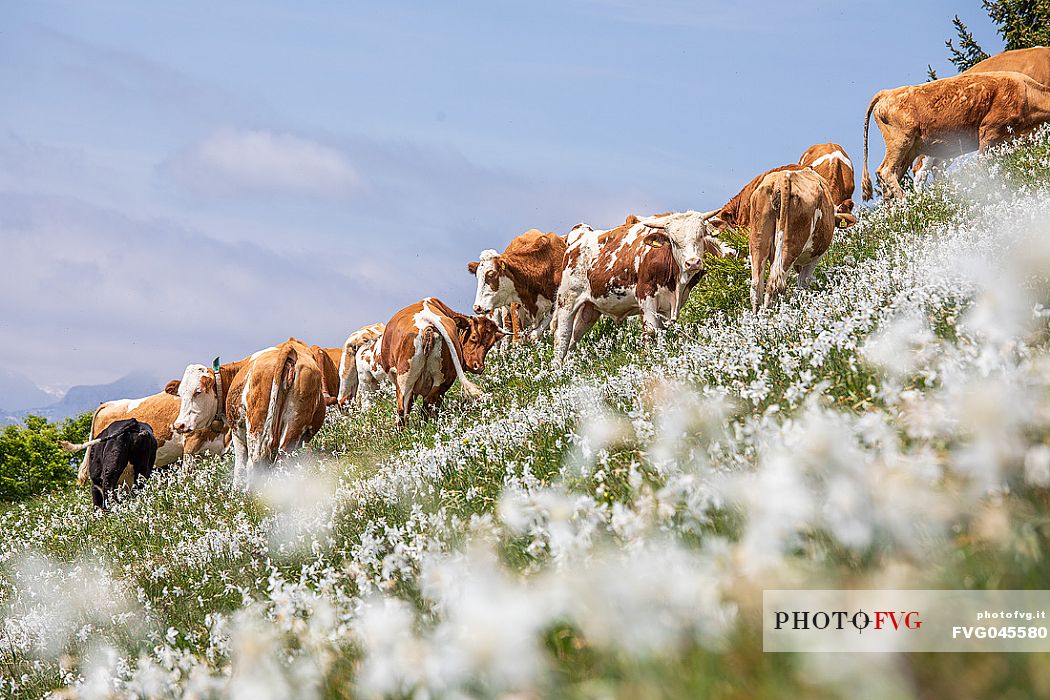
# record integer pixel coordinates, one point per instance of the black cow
(120, 444)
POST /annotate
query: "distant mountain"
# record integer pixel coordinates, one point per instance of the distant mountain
(86, 397)
(83, 397)
(18, 392)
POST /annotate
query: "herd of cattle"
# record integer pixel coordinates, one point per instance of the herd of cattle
(276, 399)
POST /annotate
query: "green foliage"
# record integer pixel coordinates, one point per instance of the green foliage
(31, 460)
(1021, 23)
(969, 53)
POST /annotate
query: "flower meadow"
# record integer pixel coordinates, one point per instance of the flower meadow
(606, 528)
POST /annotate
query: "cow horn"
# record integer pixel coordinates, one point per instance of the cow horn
(656, 226)
(705, 215)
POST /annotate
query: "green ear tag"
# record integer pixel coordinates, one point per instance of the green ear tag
(215, 365)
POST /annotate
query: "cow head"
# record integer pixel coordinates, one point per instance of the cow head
(477, 334)
(495, 286)
(844, 214)
(690, 235)
(199, 400)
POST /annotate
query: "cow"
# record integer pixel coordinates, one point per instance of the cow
(348, 360)
(528, 273)
(1033, 62)
(792, 224)
(426, 346)
(124, 445)
(272, 401)
(158, 411)
(645, 266)
(831, 163)
(946, 118)
(370, 373)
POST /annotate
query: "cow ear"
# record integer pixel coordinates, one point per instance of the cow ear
(462, 322)
(502, 265)
(472, 267)
(844, 219)
(717, 223)
(172, 387)
(656, 239)
(207, 382)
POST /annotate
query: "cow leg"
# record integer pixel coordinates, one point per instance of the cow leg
(143, 457)
(899, 146)
(805, 273)
(761, 237)
(925, 172)
(563, 333)
(991, 134)
(240, 457)
(365, 387)
(404, 397)
(111, 477)
(98, 496)
(543, 324)
(585, 319)
(432, 401)
(652, 321)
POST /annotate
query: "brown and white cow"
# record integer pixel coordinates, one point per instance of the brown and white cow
(371, 376)
(348, 359)
(528, 273)
(1033, 62)
(831, 163)
(646, 266)
(158, 411)
(946, 118)
(272, 402)
(792, 224)
(426, 346)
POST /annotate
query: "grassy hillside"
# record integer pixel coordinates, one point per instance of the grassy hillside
(606, 529)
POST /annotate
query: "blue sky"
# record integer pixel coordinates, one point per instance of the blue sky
(185, 180)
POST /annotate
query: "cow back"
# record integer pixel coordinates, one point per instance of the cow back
(737, 211)
(833, 164)
(1033, 62)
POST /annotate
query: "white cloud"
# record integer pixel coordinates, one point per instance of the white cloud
(234, 161)
(91, 294)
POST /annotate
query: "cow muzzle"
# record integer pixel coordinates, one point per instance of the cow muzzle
(694, 264)
(179, 428)
(479, 310)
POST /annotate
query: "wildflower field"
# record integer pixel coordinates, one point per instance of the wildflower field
(605, 529)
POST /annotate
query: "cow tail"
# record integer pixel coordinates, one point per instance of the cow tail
(455, 349)
(283, 378)
(865, 181)
(778, 268)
